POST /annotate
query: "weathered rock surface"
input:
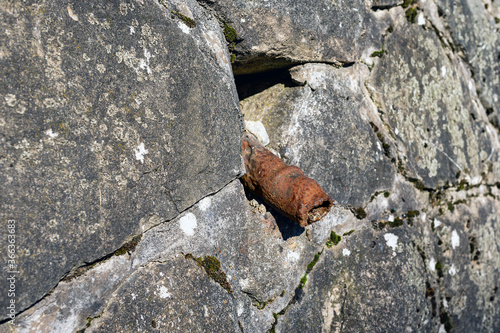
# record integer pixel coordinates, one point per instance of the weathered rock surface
(473, 30)
(324, 128)
(114, 117)
(274, 33)
(372, 282)
(430, 107)
(262, 270)
(120, 119)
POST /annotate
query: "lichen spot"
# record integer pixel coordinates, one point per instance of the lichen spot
(101, 68)
(51, 134)
(346, 252)
(437, 223)
(452, 271)
(184, 28)
(432, 264)
(205, 204)
(455, 239)
(72, 14)
(140, 151)
(293, 256)
(392, 242)
(188, 223)
(421, 19)
(443, 71)
(164, 292)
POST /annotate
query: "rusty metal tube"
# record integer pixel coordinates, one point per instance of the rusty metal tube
(282, 186)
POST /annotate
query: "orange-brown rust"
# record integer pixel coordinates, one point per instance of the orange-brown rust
(283, 186)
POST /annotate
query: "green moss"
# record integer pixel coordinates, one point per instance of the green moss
(411, 15)
(412, 213)
(213, 268)
(439, 269)
(313, 262)
(386, 194)
(497, 20)
(233, 58)
(187, 20)
(445, 319)
(360, 213)
(349, 232)
(230, 33)
(396, 223)
(333, 240)
(378, 53)
(303, 281)
(273, 327)
(417, 183)
(463, 185)
(128, 247)
(406, 3)
(451, 208)
(154, 324)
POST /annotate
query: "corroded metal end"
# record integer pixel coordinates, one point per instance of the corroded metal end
(282, 186)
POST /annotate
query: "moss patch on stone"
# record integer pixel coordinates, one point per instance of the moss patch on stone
(411, 15)
(230, 33)
(128, 247)
(333, 240)
(187, 20)
(379, 53)
(213, 269)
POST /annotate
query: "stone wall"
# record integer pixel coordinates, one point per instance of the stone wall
(120, 125)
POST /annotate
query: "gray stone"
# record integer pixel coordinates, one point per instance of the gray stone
(262, 268)
(323, 127)
(156, 296)
(473, 30)
(275, 33)
(370, 282)
(436, 272)
(114, 117)
(462, 242)
(427, 100)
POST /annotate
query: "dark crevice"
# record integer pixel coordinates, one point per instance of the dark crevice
(287, 227)
(383, 7)
(258, 73)
(252, 84)
(258, 303)
(128, 247)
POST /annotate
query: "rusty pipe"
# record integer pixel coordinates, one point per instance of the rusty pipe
(282, 186)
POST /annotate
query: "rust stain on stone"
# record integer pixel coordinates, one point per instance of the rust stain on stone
(282, 186)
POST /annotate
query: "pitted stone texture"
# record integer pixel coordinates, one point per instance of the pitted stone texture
(156, 296)
(464, 243)
(428, 102)
(323, 127)
(473, 30)
(262, 269)
(300, 31)
(114, 117)
(362, 285)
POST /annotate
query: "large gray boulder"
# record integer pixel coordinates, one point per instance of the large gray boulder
(223, 261)
(273, 34)
(114, 117)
